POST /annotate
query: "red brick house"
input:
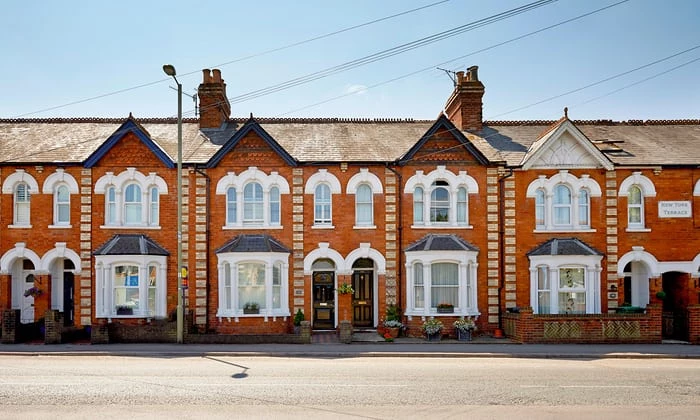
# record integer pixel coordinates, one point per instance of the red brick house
(539, 228)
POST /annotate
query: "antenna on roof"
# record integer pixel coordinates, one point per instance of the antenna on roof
(194, 99)
(451, 74)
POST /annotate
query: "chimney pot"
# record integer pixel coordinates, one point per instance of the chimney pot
(460, 77)
(473, 73)
(207, 76)
(217, 75)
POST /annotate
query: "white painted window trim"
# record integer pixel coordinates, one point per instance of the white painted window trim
(51, 185)
(647, 189)
(591, 265)
(467, 272)
(120, 183)
(268, 259)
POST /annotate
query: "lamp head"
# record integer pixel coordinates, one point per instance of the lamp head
(169, 69)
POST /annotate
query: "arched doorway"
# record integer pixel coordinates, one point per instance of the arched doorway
(675, 305)
(323, 292)
(636, 286)
(363, 298)
(22, 280)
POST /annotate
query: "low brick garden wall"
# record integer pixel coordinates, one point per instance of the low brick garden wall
(526, 327)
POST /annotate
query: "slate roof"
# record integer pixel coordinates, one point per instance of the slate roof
(441, 242)
(564, 246)
(131, 244)
(253, 243)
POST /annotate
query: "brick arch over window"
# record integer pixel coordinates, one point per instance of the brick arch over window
(57, 178)
(364, 177)
(322, 176)
(323, 251)
(646, 185)
(365, 251)
(19, 251)
(8, 186)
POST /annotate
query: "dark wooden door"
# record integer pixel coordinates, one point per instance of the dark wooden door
(323, 300)
(68, 307)
(363, 299)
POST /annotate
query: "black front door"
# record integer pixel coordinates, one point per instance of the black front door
(363, 299)
(68, 307)
(323, 300)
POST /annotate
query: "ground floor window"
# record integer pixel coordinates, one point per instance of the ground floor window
(565, 285)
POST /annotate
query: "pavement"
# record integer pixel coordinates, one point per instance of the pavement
(369, 345)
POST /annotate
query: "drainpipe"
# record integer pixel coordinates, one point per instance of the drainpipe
(501, 247)
(399, 224)
(206, 221)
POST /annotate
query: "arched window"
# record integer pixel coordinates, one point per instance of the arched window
(22, 209)
(155, 206)
(635, 207)
(418, 206)
(253, 204)
(111, 206)
(440, 202)
(62, 206)
(132, 204)
(363, 206)
(539, 208)
(274, 206)
(562, 205)
(322, 205)
(231, 206)
(584, 205)
(462, 206)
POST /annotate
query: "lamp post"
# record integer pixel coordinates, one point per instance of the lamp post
(169, 69)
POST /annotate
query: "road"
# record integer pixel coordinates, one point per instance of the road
(362, 387)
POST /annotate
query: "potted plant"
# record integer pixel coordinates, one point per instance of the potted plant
(661, 295)
(251, 308)
(445, 308)
(33, 292)
(298, 317)
(464, 327)
(345, 289)
(393, 327)
(125, 310)
(433, 329)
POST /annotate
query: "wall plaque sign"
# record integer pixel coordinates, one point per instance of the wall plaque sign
(675, 209)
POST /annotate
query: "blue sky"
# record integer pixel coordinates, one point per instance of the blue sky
(55, 53)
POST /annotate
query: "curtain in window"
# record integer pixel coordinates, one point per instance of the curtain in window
(539, 208)
(363, 205)
(444, 279)
(62, 205)
(22, 198)
(322, 204)
(154, 206)
(274, 206)
(572, 291)
(251, 284)
(543, 291)
(132, 203)
(253, 203)
(634, 206)
(562, 205)
(126, 287)
(418, 291)
(418, 206)
(231, 205)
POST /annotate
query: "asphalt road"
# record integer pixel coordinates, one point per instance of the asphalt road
(278, 387)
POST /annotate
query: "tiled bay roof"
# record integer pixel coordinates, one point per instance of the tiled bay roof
(131, 244)
(564, 246)
(253, 243)
(441, 242)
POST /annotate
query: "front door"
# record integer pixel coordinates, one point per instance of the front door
(27, 314)
(323, 300)
(68, 311)
(363, 299)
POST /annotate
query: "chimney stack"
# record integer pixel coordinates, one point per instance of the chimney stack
(465, 106)
(214, 107)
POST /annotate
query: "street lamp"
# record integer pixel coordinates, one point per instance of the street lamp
(169, 69)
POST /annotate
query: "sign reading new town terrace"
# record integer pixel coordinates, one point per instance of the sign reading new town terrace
(675, 209)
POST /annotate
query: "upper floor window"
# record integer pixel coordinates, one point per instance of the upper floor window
(322, 205)
(21, 185)
(252, 199)
(22, 209)
(364, 210)
(563, 202)
(62, 206)
(441, 198)
(60, 185)
(637, 188)
(132, 199)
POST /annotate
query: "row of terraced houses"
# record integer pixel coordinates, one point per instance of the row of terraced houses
(545, 230)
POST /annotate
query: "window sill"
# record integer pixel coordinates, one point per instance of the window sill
(60, 226)
(564, 231)
(434, 313)
(364, 227)
(251, 227)
(322, 227)
(442, 227)
(19, 226)
(638, 230)
(140, 227)
(240, 314)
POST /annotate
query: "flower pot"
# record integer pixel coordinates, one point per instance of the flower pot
(393, 332)
(251, 311)
(464, 335)
(125, 311)
(446, 310)
(435, 337)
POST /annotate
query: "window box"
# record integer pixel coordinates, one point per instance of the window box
(251, 311)
(445, 309)
(124, 310)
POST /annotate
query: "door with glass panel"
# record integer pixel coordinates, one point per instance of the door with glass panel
(363, 297)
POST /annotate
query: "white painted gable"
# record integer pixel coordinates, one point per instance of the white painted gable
(564, 148)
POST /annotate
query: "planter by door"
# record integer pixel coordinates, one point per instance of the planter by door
(393, 332)
(464, 335)
(435, 337)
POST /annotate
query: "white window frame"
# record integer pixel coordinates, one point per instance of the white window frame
(22, 205)
(115, 211)
(363, 178)
(554, 264)
(136, 203)
(646, 189)
(253, 205)
(58, 180)
(366, 203)
(323, 205)
(232, 188)
(105, 271)
(428, 183)
(467, 304)
(9, 186)
(546, 187)
(275, 264)
(61, 204)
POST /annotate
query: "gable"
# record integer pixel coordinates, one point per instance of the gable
(443, 142)
(129, 145)
(257, 145)
(564, 147)
(251, 150)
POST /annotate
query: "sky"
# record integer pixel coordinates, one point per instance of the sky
(58, 53)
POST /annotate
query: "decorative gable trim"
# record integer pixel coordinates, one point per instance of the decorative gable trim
(250, 126)
(535, 157)
(129, 126)
(444, 123)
